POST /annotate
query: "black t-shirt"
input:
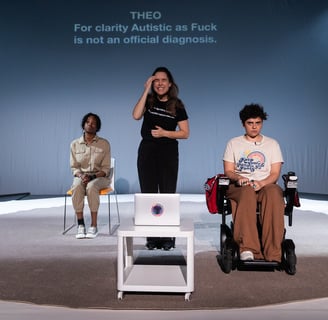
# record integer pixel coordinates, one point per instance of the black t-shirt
(159, 116)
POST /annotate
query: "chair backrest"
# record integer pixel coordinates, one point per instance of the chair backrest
(111, 186)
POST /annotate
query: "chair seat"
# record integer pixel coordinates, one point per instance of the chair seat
(102, 192)
(105, 191)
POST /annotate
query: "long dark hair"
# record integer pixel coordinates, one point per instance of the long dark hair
(173, 101)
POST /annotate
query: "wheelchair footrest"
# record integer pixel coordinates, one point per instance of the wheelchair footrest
(260, 263)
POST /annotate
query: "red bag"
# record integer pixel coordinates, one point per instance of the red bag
(211, 191)
(211, 187)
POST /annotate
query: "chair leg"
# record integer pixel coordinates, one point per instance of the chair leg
(117, 210)
(65, 215)
(112, 230)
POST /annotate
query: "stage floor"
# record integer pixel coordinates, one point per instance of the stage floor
(310, 235)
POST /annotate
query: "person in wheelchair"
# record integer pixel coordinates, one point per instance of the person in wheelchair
(253, 163)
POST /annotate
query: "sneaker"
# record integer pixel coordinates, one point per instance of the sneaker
(92, 233)
(246, 256)
(80, 232)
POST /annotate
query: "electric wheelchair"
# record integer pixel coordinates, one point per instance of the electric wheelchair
(228, 257)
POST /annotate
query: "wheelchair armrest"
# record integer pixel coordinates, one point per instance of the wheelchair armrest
(223, 202)
(290, 194)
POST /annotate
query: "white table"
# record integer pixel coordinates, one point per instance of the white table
(154, 278)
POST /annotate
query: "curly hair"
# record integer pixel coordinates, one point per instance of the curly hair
(252, 110)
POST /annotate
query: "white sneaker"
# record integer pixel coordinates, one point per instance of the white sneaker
(80, 232)
(246, 256)
(92, 233)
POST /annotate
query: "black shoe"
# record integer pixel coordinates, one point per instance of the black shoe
(168, 245)
(151, 245)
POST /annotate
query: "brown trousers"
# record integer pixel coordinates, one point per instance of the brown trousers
(244, 205)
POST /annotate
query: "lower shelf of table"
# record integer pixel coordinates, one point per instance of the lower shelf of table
(156, 278)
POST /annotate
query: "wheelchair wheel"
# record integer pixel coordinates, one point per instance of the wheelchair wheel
(289, 257)
(227, 256)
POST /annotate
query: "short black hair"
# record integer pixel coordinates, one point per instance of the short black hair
(252, 110)
(90, 114)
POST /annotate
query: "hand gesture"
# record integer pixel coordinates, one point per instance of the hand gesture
(149, 82)
(158, 132)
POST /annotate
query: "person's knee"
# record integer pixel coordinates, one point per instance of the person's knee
(273, 194)
(92, 188)
(78, 188)
(273, 190)
(248, 193)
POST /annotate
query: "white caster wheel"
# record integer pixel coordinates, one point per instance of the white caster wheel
(187, 296)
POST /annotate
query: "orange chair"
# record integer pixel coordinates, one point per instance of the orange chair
(103, 192)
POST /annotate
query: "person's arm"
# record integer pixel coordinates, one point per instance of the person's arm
(272, 178)
(102, 164)
(229, 171)
(106, 162)
(139, 108)
(181, 133)
(74, 164)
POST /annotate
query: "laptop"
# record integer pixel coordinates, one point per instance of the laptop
(157, 209)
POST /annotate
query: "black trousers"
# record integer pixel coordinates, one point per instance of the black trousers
(158, 166)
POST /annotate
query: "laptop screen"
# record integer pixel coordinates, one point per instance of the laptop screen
(157, 209)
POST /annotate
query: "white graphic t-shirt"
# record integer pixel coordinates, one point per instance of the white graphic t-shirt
(253, 160)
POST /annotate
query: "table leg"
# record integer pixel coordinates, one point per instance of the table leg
(128, 251)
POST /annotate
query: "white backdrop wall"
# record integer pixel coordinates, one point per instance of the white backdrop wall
(273, 52)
